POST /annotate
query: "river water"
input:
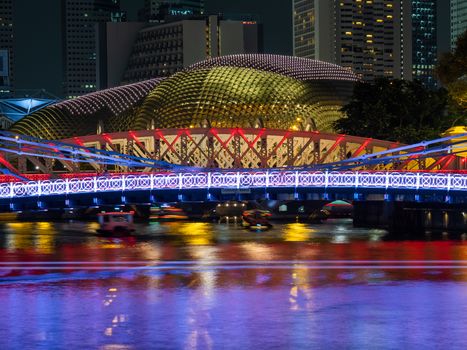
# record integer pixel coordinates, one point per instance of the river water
(209, 286)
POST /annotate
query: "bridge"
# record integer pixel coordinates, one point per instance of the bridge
(43, 168)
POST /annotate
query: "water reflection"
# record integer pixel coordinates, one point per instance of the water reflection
(192, 233)
(297, 232)
(301, 291)
(209, 286)
(199, 321)
(38, 236)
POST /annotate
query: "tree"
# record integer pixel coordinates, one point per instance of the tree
(396, 110)
(453, 65)
(451, 70)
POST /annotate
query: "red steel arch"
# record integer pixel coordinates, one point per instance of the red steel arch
(236, 147)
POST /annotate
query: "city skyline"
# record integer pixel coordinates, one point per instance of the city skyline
(44, 71)
(399, 39)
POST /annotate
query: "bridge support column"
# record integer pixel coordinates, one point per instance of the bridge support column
(388, 197)
(123, 199)
(41, 205)
(418, 198)
(297, 196)
(358, 196)
(448, 199)
(96, 201)
(152, 198)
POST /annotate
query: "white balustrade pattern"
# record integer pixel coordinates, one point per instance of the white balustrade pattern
(238, 180)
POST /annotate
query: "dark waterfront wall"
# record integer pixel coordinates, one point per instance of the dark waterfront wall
(411, 217)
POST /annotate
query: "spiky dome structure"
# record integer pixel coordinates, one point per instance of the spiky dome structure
(254, 90)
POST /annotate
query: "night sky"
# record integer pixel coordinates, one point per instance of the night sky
(276, 16)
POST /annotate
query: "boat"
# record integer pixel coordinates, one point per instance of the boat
(338, 209)
(167, 213)
(318, 216)
(230, 208)
(116, 223)
(230, 211)
(256, 220)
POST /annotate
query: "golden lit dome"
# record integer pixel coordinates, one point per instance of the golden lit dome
(270, 91)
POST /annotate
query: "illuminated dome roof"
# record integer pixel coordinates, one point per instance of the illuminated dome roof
(113, 108)
(269, 91)
(298, 68)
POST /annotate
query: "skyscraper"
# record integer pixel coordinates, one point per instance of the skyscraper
(375, 38)
(424, 41)
(81, 17)
(304, 28)
(458, 20)
(371, 37)
(6, 47)
(164, 49)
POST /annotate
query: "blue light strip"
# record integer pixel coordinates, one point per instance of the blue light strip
(384, 181)
(73, 153)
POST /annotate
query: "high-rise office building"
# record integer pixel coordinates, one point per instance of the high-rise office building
(160, 10)
(375, 38)
(424, 41)
(304, 26)
(458, 20)
(165, 49)
(371, 37)
(80, 19)
(6, 47)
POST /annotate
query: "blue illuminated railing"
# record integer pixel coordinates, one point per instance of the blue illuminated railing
(239, 180)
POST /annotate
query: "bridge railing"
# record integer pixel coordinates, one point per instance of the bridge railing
(239, 180)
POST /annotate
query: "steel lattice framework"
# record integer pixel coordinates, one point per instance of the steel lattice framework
(16, 151)
(186, 178)
(440, 154)
(29, 158)
(379, 181)
(237, 147)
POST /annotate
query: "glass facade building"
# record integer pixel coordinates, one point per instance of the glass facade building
(424, 41)
(80, 18)
(458, 20)
(368, 36)
(6, 47)
(375, 38)
(304, 28)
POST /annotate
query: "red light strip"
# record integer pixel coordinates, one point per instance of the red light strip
(333, 147)
(224, 145)
(361, 148)
(284, 138)
(170, 145)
